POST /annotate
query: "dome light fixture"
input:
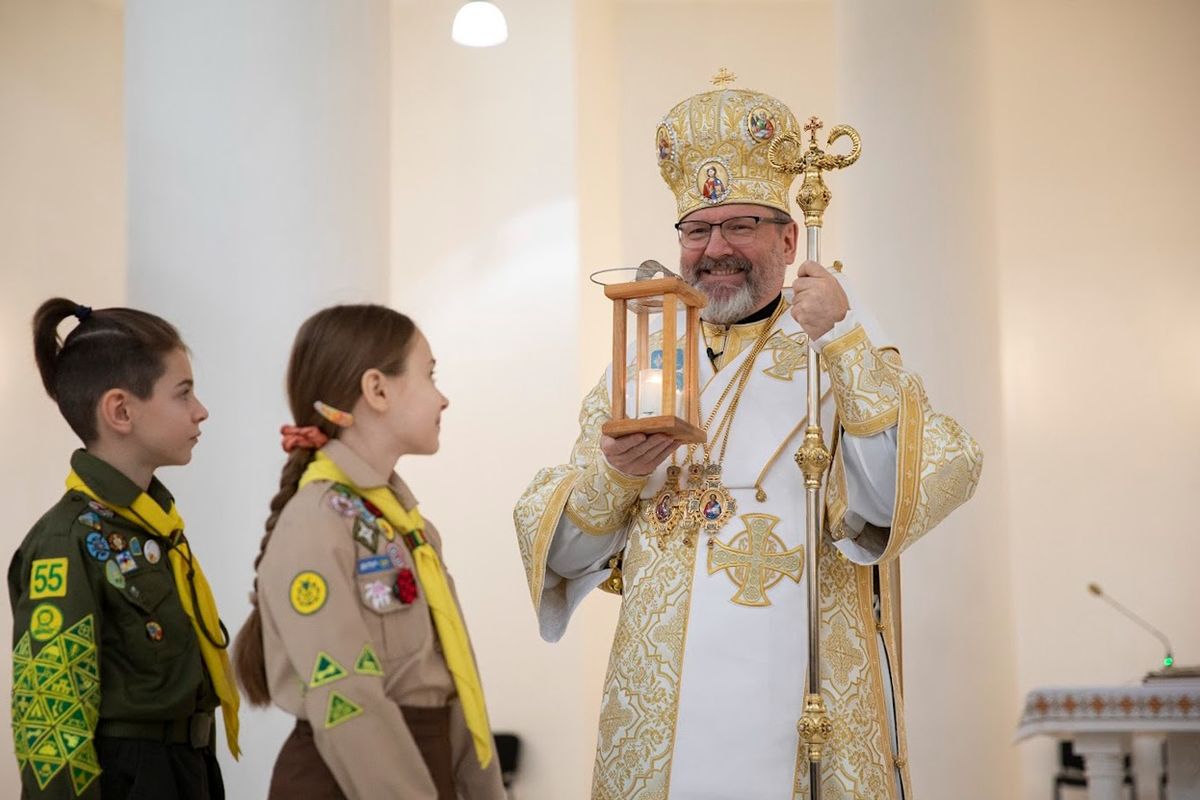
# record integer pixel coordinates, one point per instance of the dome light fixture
(479, 24)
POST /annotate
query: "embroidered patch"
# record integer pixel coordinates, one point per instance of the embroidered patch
(366, 535)
(386, 528)
(135, 546)
(114, 574)
(343, 505)
(96, 546)
(55, 701)
(325, 670)
(308, 592)
(153, 552)
(125, 561)
(100, 509)
(340, 710)
(368, 662)
(396, 554)
(373, 564)
(377, 595)
(154, 631)
(45, 622)
(116, 541)
(90, 519)
(48, 578)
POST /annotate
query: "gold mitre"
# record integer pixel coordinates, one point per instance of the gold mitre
(712, 148)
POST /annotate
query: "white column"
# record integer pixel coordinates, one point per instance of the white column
(258, 154)
(1103, 763)
(913, 226)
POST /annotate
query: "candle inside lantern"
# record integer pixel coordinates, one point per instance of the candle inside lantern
(650, 392)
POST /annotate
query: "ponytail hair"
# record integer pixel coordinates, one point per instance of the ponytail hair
(110, 348)
(333, 349)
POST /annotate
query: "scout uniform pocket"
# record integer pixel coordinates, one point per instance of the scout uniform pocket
(387, 590)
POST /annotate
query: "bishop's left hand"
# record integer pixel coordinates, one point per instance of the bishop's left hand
(818, 302)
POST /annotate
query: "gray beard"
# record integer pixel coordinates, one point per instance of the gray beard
(725, 306)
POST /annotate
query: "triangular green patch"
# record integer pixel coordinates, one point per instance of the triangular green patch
(24, 681)
(82, 775)
(86, 757)
(59, 685)
(44, 769)
(325, 670)
(45, 673)
(52, 654)
(59, 706)
(84, 683)
(339, 710)
(84, 629)
(47, 747)
(87, 666)
(37, 713)
(75, 720)
(70, 741)
(31, 734)
(368, 662)
(75, 647)
(22, 652)
(21, 703)
(91, 711)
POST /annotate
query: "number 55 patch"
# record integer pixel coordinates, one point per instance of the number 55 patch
(48, 578)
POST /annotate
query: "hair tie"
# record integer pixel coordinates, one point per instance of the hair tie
(343, 419)
(82, 312)
(307, 438)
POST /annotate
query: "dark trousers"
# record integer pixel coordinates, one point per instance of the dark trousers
(139, 769)
(301, 772)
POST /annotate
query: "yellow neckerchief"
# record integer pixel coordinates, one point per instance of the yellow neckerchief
(450, 629)
(147, 514)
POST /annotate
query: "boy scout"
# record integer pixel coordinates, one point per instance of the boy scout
(113, 692)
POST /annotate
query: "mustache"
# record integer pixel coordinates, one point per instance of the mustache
(708, 264)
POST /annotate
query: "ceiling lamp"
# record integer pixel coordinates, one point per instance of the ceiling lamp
(479, 24)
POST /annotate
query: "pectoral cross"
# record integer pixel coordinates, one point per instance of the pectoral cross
(755, 559)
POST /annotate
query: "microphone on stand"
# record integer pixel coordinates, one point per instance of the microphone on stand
(1168, 659)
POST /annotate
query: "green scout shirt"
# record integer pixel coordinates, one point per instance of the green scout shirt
(99, 634)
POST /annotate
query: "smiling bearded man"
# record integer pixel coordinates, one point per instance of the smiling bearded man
(706, 678)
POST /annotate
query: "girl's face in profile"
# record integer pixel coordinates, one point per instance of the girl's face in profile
(415, 415)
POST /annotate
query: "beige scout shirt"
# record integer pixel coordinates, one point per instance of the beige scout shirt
(319, 634)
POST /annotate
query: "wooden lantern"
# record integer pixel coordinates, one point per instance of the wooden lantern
(654, 407)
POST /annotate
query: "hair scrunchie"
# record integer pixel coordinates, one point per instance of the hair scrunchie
(308, 437)
(82, 312)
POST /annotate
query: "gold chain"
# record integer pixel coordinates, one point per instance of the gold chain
(741, 379)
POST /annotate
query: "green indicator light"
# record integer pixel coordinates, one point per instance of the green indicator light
(1168, 661)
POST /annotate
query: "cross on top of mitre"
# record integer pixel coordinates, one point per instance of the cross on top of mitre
(723, 77)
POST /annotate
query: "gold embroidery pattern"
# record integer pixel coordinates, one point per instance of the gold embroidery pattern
(789, 355)
(755, 560)
(865, 385)
(535, 517)
(939, 467)
(603, 498)
(633, 755)
(536, 513)
(857, 760)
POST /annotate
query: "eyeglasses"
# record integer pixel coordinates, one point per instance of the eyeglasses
(694, 234)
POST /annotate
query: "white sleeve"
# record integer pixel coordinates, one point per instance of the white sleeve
(870, 463)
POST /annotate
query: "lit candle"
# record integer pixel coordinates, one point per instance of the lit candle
(650, 392)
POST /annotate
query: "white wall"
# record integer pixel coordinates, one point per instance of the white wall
(62, 220)
(1095, 120)
(486, 258)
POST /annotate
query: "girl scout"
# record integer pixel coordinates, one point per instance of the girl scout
(356, 630)
(118, 658)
